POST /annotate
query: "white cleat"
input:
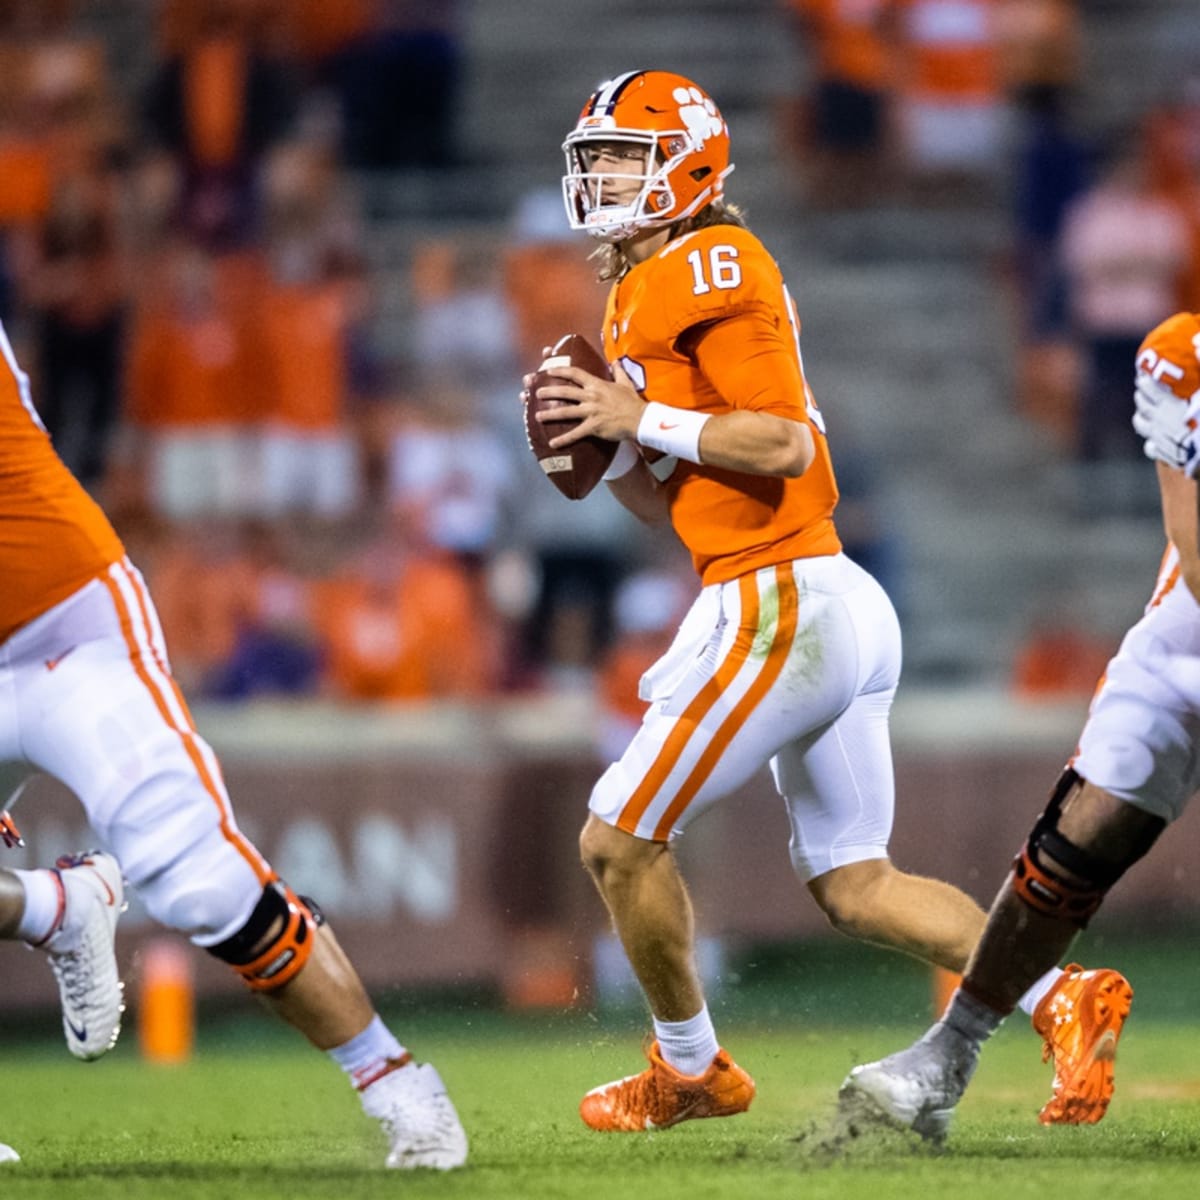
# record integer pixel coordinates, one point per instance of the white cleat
(418, 1117)
(8, 1154)
(82, 955)
(916, 1088)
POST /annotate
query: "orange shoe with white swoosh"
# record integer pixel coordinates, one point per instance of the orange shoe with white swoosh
(661, 1097)
(1081, 1019)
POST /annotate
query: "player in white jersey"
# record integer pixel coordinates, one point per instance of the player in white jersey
(87, 696)
(1136, 767)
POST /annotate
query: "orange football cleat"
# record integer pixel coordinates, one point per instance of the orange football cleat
(1081, 1019)
(661, 1097)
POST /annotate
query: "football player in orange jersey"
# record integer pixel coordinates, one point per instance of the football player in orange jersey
(791, 654)
(87, 696)
(1133, 772)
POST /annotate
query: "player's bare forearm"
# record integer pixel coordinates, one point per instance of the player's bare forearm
(642, 494)
(1180, 523)
(757, 444)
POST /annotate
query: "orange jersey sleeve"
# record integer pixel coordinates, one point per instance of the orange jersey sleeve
(53, 536)
(720, 287)
(750, 365)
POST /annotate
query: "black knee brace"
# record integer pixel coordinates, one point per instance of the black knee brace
(276, 940)
(1060, 879)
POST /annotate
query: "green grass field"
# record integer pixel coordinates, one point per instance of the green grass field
(255, 1115)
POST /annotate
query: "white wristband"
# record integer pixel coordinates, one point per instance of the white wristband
(672, 430)
(625, 459)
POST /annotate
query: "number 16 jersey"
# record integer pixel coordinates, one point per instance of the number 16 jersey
(655, 324)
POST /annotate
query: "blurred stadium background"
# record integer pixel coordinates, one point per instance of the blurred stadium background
(413, 680)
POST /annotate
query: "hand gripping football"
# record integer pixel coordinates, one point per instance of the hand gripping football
(576, 469)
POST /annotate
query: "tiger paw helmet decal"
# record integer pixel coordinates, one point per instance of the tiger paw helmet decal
(686, 154)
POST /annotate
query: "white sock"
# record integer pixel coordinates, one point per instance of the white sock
(1034, 996)
(971, 1018)
(688, 1046)
(368, 1055)
(44, 900)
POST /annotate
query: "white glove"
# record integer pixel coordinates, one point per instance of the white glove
(1168, 424)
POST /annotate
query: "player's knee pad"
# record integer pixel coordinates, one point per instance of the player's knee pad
(276, 940)
(1056, 877)
(205, 892)
(1054, 894)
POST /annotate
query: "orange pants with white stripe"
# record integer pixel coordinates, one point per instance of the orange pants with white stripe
(87, 696)
(793, 667)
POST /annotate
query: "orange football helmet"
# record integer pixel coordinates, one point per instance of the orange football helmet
(1170, 354)
(687, 153)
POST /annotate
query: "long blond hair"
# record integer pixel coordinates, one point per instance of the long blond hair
(611, 259)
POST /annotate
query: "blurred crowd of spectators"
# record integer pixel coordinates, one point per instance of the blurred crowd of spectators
(920, 96)
(183, 269)
(986, 102)
(954, 99)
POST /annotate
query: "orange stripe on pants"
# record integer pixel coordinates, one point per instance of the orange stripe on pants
(781, 645)
(689, 720)
(681, 735)
(187, 732)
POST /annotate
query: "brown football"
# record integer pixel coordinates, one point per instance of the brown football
(576, 469)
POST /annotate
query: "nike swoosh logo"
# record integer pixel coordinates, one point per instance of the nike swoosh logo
(51, 663)
(682, 1115)
(1106, 1047)
(661, 425)
(80, 1032)
(112, 899)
